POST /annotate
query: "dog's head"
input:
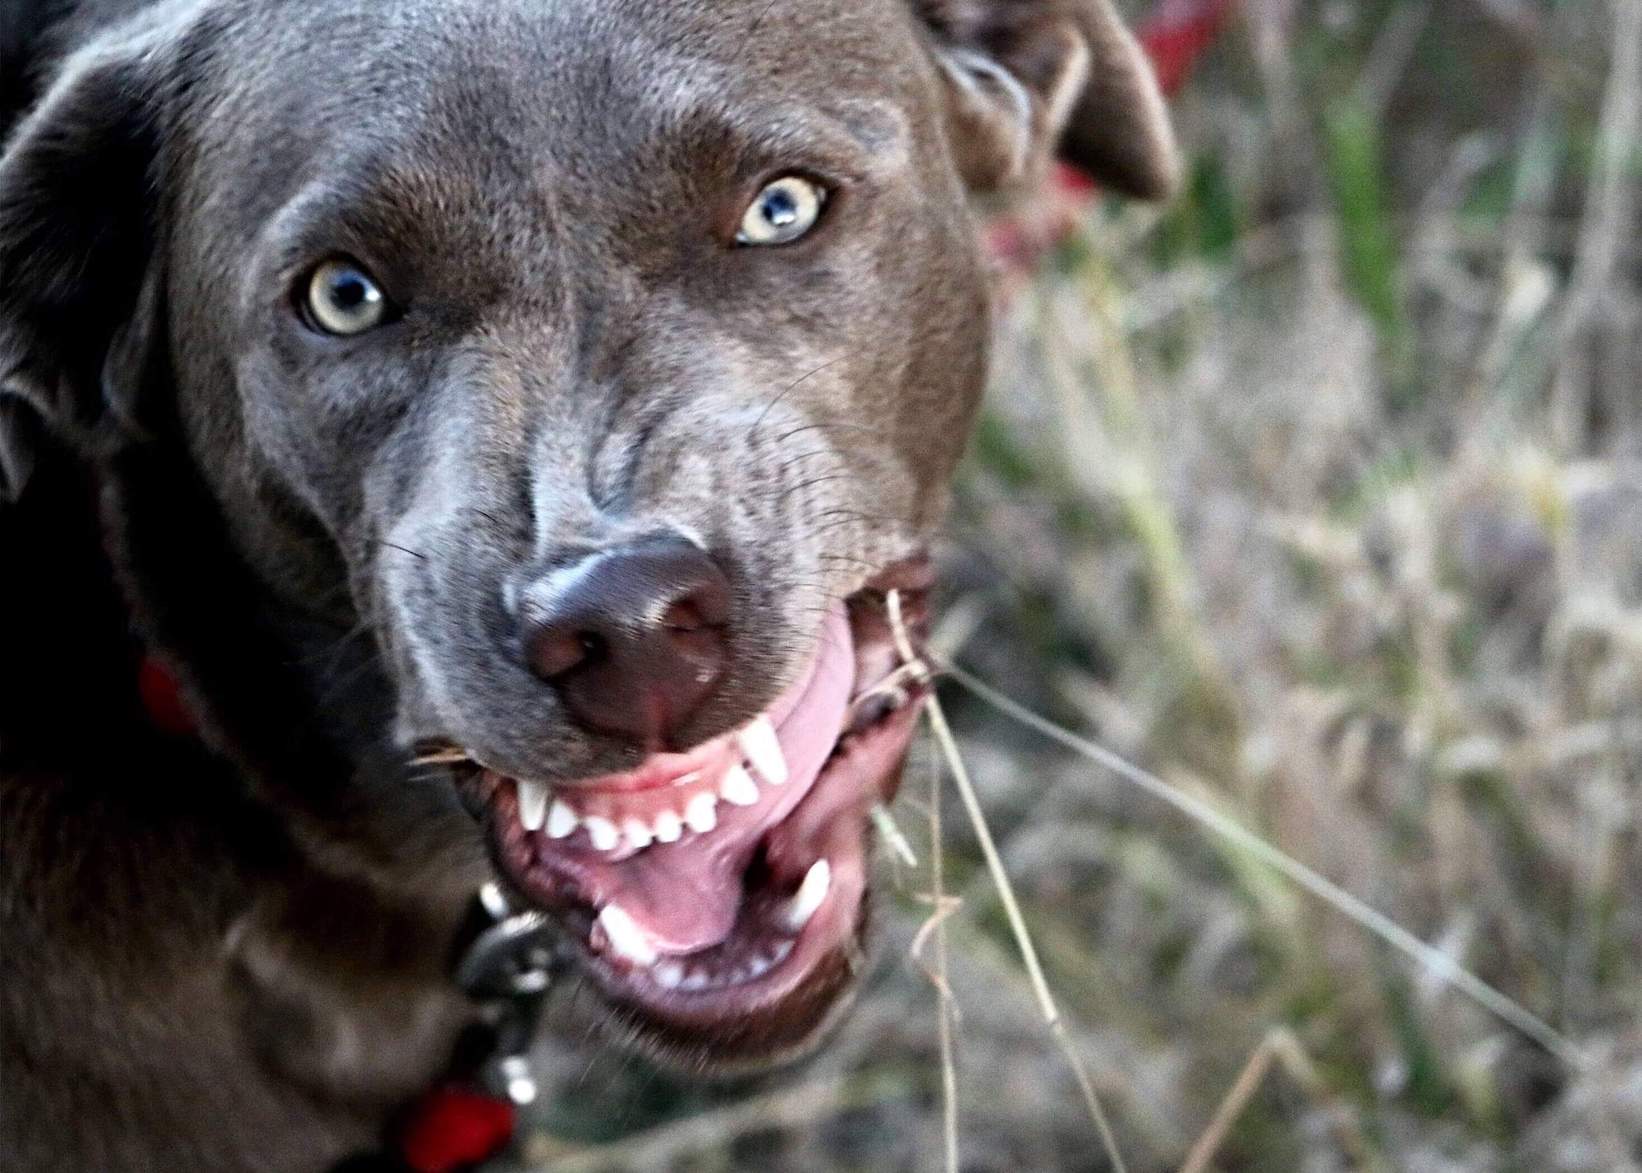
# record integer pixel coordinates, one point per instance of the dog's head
(615, 357)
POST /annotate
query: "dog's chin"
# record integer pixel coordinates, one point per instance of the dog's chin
(718, 897)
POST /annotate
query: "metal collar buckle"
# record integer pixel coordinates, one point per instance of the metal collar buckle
(508, 970)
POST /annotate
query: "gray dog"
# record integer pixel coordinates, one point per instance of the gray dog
(505, 422)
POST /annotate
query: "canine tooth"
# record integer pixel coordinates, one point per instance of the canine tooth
(667, 974)
(738, 787)
(809, 896)
(668, 827)
(701, 812)
(532, 804)
(625, 937)
(561, 820)
(763, 750)
(637, 833)
(602, 832)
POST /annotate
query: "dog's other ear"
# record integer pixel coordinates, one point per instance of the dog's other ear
(77, 242)
(1025, 76)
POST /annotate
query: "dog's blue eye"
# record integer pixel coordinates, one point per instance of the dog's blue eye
(782, 212)
(344, 299)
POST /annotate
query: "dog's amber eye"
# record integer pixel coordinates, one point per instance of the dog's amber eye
(344, 299)
(783, 211)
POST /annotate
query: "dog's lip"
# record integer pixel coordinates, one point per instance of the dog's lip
(665, 768)
(830, 824)
(790, 994)
(677, 885)
(781, 1006)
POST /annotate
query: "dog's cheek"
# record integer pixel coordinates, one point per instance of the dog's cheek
(926, 321)
(457, 673)
(452, 677)
(417, 696)
(940, 411)
(922, 408)
(413, 632)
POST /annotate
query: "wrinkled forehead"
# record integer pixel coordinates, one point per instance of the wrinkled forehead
(584, 79)
(697, 86)
(443, 100)
(646, 64)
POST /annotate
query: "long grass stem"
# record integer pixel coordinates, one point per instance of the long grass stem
(1434, 961)
(1006, 894)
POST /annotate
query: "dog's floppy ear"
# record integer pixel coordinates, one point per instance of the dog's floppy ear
(1023, 76)
(77, 242)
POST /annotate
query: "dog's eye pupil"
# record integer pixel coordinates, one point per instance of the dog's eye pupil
(779, 208)
(783, 211)
(341, 298)
(348, 292)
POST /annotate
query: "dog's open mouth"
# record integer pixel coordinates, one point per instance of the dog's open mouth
(718, 894)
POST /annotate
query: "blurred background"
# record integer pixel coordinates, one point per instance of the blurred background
(1319, 495)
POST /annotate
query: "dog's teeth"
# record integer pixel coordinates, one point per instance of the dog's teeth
(668, 827)
(738, 787)
(602, 832)
(669, 975)
(763, 750)
(701, 813)
(809, 896)
(625, 937)
(532, 804)
(695, 978)
(561, 820)
(637, 833)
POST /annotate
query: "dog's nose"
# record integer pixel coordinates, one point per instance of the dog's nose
(633, 638)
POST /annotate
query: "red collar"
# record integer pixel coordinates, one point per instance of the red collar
(162, 699)
(454, 1127)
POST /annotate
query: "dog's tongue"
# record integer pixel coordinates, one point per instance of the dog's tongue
(685, 896)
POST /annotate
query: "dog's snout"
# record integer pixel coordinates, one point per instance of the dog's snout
(632, 638)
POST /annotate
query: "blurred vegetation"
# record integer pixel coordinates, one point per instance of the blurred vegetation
(1319, 494)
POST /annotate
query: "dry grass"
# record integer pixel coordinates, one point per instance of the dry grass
(1318, 496)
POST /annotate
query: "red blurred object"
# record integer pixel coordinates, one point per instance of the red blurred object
(162, 699)
(1176, 34)
(453, 1128)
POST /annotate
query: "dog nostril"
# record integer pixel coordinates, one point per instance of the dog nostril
(554, 653)
(632, 638)
(690, 615)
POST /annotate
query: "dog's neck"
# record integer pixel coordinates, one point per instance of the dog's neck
(297, 703)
